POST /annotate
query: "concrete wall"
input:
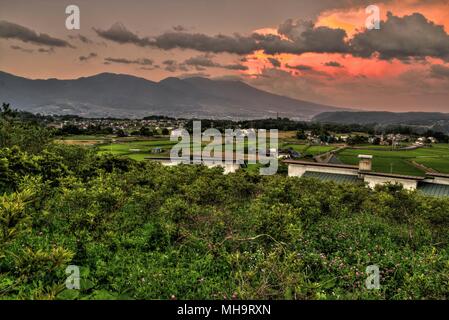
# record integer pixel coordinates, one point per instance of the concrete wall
(375, 180)
(297, 170)
(167, 163)
(440, 180)
(365, 164)
(228, 168)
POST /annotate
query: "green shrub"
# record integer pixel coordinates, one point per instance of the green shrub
(145, 231)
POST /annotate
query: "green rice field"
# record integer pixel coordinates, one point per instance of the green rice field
(401, 161)
(405, 162)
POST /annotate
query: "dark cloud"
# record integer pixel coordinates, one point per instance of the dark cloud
(88, 57)
(9, 30)
(81, 38)
(205, 61)
(302, 37)
(143, 61)
(274, 62)
(333, 64)
(202, 61)
(49, 50)
(351, 4)
(294, 30)
(150, 68)
(235, 66)
(19, 48)
(169, 62)
(118, 33)
(411, 36)
(216, 44)
(439, 71)
(299, 67)
(304, 70)
(173, 66)
(312, 39)
(179, 28)
(406, 38)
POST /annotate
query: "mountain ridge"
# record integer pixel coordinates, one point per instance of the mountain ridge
(112, 94)
(380, 117)
(421, 121)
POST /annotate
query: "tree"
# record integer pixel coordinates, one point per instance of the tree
(28, 135)
(145, 132)
(121, 133)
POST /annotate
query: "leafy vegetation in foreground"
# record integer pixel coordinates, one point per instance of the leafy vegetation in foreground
(143, 231)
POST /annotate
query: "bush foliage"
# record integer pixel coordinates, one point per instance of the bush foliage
(144, 231)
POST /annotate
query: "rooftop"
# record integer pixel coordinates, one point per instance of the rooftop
(318, 164)
(391, 175)
(437, 174)
(338, 178)
(433, 189)
(423, 184)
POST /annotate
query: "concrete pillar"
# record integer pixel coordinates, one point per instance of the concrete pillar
(365, 162)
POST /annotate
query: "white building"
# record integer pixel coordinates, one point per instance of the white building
(435, 184)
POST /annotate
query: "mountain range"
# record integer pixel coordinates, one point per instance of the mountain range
(381, 117)
(120, 95)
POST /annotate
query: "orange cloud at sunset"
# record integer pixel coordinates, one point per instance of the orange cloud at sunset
(350, 66)
(293, 47)
(353, 19)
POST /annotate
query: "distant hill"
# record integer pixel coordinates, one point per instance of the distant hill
(120, 95)
(381, 117)
(424, 120)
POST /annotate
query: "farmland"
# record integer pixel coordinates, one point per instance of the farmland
(408, 162)
(401, 161)
(141, 230)
(139, 149)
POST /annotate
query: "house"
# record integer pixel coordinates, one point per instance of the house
(433, 184)
(284, 155)
(432, 140)
(344, 138)
(177, 132)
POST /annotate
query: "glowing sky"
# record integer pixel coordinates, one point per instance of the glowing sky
(312, 50)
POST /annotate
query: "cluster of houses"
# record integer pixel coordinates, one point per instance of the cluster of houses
(396, 139)
(392, 139)
(126, 125)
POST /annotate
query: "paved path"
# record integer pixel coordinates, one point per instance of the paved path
(423, 167)
(326, 157)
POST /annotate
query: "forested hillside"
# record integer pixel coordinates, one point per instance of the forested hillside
(143, 231)
(419, 120)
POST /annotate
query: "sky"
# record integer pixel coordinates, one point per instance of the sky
(319, 51)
